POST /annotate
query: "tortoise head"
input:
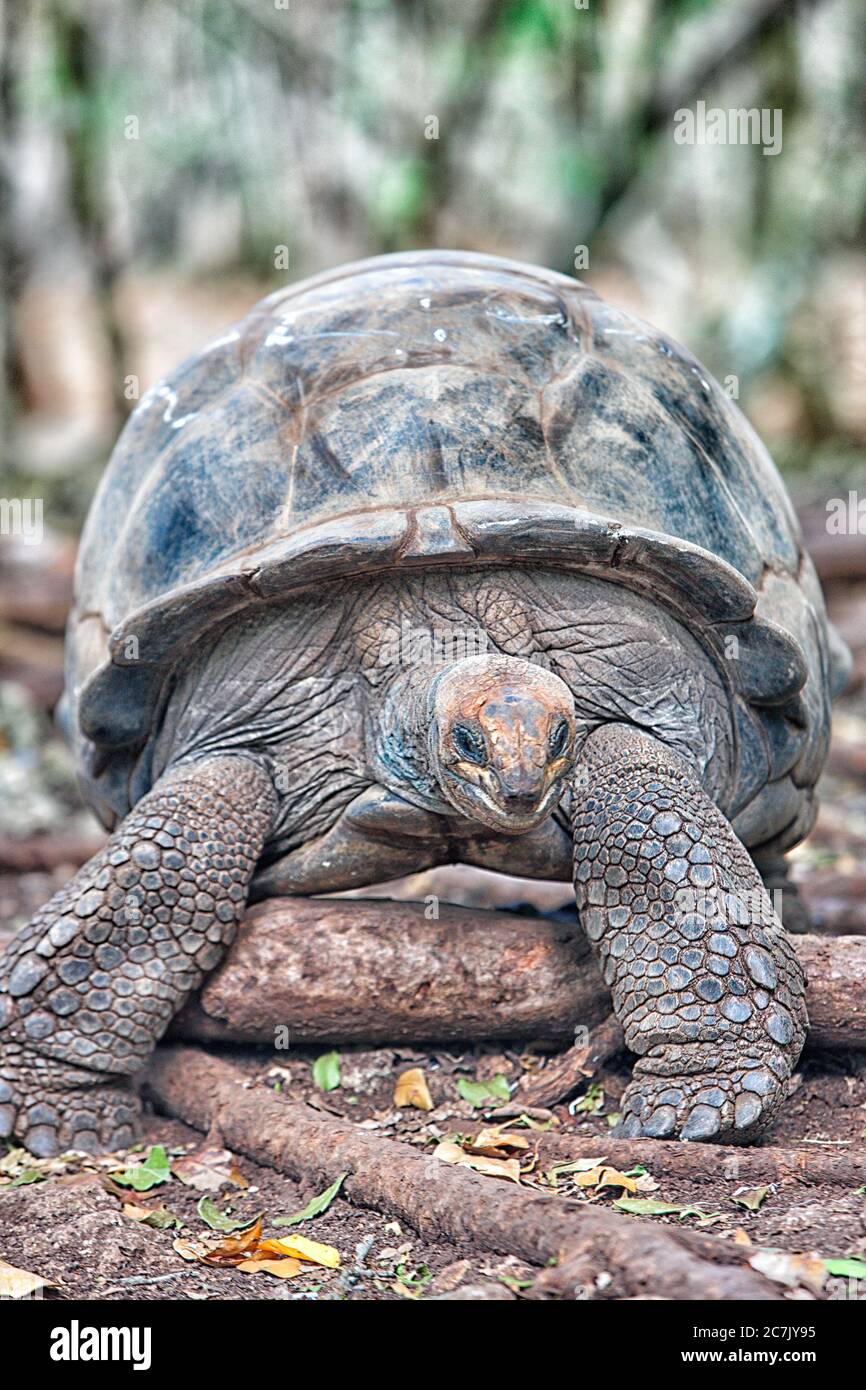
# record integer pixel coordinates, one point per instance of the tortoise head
(501, 740)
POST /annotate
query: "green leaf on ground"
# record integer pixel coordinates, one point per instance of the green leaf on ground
(29, 1175)
(315, 1207)
(652, 1206)
(154, 1170)
(220, 1221)
(846, 1269)
(326, 1071)
(417, 1278)
(481, 1093)
(591, 1103)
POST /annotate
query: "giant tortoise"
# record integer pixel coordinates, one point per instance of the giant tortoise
(434, 558)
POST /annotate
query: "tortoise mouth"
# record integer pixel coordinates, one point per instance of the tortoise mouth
(508, 814)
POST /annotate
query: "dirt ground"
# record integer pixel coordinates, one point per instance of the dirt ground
(72, 1228)
(69, 1223)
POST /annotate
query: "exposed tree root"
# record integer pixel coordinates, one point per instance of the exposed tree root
(711, 1162)
(637, 1258)
(363, 970)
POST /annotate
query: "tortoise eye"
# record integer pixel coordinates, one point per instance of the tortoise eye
(558, 739)
(469, 744)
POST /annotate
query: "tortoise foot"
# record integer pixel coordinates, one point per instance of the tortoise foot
(52, 1107)
(696, 1092)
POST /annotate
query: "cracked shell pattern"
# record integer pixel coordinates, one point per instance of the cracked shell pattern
(711, 999)
(91, 984)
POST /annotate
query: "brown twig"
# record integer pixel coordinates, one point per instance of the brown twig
(564, 1074)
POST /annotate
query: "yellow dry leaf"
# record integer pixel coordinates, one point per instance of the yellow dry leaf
(411, 1089)
(612, 1177)
(605, 1177)
(589, 1179)
(741, 1237)
(299, 1248)
(187, 1249)
(282, 1269)
(493, 1139)
(508, 1168)
(20, 1283)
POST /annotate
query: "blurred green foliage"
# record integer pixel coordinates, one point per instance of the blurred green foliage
(262, 124)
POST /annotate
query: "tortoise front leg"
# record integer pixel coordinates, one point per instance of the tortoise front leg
(705, 983)
(91, 984)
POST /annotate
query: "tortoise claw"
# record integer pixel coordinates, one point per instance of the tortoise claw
(730, 1106)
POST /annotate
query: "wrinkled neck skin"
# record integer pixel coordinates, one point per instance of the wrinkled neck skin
(323, 688)
(397, 735)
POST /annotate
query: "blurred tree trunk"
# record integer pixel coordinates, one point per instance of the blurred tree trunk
(625, 159)
(78, 50)
(13, 18)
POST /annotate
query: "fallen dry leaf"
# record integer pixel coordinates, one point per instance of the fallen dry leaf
(794, 1271)
(508, 1168)
(751, 1200)
(299, 1248)
(646, 1183)
(20, 1283)
(564, 1170)
(741, 1237)
(247, 1249)
(187, 1249)
(229, 1251)
(207, 1170)
(589, 1179)
(612, 1177)
(16, 1159)
(159, 1217)
(411, 1089)
(450, 1277)
(283, 1269)
(493, 1140)
(605, 1177)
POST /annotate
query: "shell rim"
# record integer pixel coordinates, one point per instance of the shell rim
(466, 531)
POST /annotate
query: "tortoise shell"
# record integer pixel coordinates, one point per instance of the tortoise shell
(446, 408)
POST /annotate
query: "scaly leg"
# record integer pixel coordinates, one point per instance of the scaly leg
(88, 988)
(705, 983)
